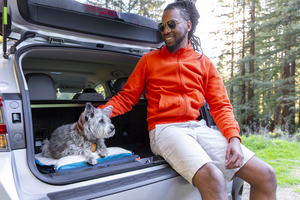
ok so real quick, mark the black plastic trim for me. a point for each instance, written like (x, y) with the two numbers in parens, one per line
(84, 23)
(114, 186)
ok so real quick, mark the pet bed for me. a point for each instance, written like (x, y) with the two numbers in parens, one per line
(75, 162)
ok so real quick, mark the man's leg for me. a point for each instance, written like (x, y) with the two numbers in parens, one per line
(177, 144)
(210, 182)
(262, 178)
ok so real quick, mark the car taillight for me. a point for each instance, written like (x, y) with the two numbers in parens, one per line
(3, 130)
(101, 12)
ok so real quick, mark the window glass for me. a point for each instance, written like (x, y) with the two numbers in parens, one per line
(100, 89)
(69, 96)
(64, 95)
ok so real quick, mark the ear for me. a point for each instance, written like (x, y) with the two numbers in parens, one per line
(189, 26)
(108, 110)
(88, 106)
(89, 111)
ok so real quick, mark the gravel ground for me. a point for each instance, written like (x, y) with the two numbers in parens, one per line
(283, 193)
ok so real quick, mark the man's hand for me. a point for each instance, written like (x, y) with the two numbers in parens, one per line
(79, 125)
(234, 154)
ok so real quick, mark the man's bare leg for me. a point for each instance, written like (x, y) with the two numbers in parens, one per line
(261, 177)
(210, 182)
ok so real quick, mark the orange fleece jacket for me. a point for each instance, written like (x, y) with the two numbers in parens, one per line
(176, 86)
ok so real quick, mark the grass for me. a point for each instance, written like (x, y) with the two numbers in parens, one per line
(282, 155)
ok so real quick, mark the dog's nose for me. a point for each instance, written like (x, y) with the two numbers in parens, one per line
(111, 128)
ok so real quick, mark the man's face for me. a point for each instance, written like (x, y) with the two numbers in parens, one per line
(178, 37)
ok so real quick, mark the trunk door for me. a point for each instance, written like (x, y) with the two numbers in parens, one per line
(79, 22)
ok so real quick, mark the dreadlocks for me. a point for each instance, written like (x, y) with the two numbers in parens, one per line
(189, 12)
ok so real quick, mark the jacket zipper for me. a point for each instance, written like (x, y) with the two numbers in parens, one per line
(181, 85)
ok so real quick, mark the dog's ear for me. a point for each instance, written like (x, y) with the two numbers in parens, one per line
(89, 111)
(108, 110)
(89, 106)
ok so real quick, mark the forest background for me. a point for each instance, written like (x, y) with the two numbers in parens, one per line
(258, 59)
(255, 45)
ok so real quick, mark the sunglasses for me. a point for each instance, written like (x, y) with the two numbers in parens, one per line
(171, 24)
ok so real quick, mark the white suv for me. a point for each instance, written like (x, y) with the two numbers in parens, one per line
(58, 55)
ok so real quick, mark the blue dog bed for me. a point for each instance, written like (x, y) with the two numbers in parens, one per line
(75, 162)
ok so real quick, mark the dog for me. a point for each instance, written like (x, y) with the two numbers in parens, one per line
(65, 140)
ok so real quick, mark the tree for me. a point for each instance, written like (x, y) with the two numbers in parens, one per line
(251, 65)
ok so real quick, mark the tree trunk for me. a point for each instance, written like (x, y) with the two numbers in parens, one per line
(232, 53)
(293, 88)
(285, 94)
(243, 85)
(251, 67)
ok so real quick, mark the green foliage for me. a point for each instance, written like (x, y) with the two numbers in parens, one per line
(282, 155)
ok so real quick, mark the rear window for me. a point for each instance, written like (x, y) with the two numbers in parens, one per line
(69, 96)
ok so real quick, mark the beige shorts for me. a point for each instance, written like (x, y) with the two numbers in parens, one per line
(188, 146)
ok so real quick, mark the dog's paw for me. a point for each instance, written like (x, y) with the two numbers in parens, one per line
(91, 160)
(103, 152)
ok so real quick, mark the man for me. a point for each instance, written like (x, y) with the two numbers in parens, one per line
(177, 80)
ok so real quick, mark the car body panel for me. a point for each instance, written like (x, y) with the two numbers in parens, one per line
(8, 82)
(7, 181)
(19, 179)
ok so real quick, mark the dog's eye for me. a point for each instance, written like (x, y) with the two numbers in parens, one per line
(101, 121)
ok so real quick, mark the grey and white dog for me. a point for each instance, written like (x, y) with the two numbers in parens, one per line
(65, 140)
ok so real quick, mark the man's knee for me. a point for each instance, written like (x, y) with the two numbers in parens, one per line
(208, 173)
(210, 182)
(258, 173)
(270, 176)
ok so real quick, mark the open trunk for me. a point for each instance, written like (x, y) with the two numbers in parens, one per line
(65, 64)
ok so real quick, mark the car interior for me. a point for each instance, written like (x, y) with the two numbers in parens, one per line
(51, 71)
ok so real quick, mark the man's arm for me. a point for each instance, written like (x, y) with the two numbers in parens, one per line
(218, 101)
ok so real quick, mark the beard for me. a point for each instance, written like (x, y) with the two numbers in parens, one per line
(175, 46)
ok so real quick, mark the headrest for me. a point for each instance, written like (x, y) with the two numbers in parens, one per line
(89, 90)
(90, 97)
(40, 86)
(118, 85)
(89, 94)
